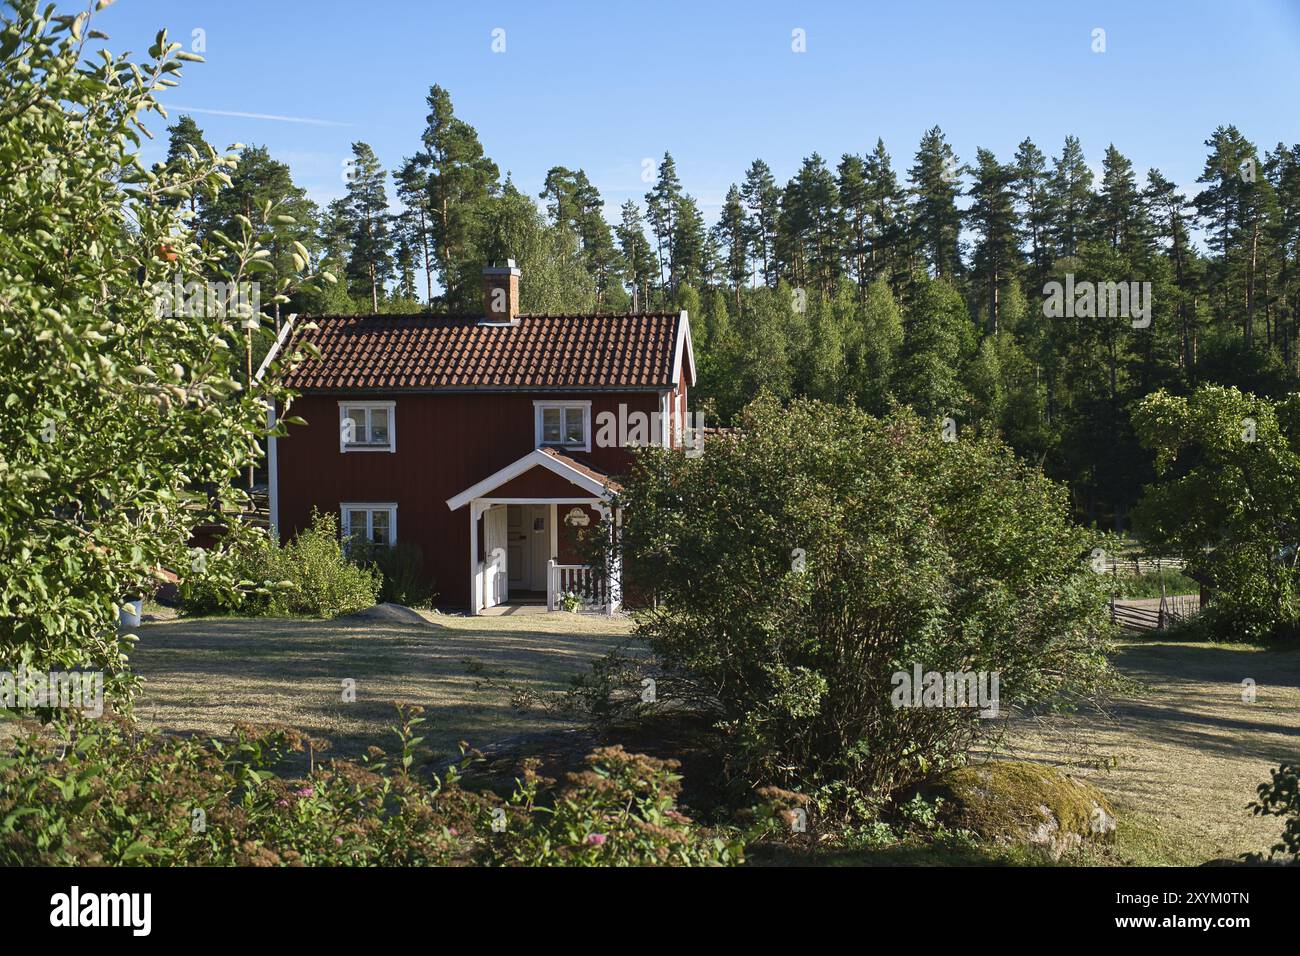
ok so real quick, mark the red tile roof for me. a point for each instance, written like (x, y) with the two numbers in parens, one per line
(459, 352)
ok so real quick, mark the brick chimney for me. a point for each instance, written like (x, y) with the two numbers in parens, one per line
(501, 293)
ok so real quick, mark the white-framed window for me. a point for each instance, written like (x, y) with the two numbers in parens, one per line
(370, 521)
(367, 426)
(563, 424)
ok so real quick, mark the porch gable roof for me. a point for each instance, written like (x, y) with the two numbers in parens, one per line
(584, 477)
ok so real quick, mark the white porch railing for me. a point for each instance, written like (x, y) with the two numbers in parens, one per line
(578, 579)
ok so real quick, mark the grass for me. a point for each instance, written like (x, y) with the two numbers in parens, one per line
(1180, 760)
(204, 675)
(1130, 586)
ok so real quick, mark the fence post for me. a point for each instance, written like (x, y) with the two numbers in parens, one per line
(550, 584)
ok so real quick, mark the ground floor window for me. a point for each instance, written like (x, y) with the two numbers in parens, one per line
(374, 523)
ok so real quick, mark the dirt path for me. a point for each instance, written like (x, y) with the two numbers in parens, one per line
(1185, 757)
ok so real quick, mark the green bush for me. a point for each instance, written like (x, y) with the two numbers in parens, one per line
(237, 578)
(1228, 465)
(402, 566)
(103, 793)
(310, 575)
(324, 583)
(801, 563)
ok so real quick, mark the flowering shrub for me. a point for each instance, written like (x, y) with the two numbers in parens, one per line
(620, 811)
(106, 794)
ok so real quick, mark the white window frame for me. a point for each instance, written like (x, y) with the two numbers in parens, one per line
(540, 406)
(391, 407)
(369, 507)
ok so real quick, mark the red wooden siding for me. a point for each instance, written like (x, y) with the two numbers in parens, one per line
(445, 444)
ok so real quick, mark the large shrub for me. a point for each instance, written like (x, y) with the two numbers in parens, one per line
(802, 562)
(1228, 502)
(106, 794)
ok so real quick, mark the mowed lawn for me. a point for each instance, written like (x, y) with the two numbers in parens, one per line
(1181, 759)
(204, 675)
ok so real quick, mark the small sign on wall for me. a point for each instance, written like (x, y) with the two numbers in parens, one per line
(577, 518)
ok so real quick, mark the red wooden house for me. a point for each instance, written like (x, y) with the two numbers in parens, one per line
(485, 439)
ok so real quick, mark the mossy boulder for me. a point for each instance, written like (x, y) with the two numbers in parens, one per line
(1017, 802)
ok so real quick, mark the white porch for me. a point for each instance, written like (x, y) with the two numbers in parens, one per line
(520, 538)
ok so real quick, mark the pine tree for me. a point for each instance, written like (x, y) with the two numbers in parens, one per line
(887, 241)
(855, 205)
(255, 182)
(1069, 199)
(638, 257)
(732, 235)
(186, 150)
(1031, 189)
(992, 216)
(370, 262)
(690, 259)
(1119, 217)
(936, 187)
(1171, 213)
(461, 180)
(661, 206)
(763, 204)
(809, 234)
(416, 220)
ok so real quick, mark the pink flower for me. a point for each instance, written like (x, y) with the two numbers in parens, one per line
(282, 803)
(305, 792)
(338, 840)
(595, 839)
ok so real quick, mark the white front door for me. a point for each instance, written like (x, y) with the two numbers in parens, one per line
(496, 586)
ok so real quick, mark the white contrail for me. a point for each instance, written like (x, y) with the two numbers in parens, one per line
(261, 116)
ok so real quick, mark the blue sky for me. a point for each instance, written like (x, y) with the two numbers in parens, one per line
(602, 86)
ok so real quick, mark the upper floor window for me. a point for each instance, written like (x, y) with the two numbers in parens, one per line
(367, 426)
(372, 523)
(564, 424)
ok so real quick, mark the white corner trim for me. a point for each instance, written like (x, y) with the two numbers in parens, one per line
(683, 346)
(272, 472)
(517, 468)
(585, 404)
(275, 349)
